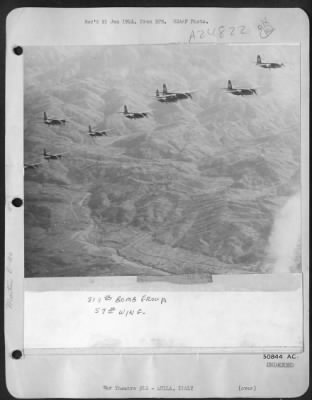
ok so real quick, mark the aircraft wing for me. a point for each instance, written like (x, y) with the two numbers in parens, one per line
(237, 90)
(247, 88)
(165, 96)
(27, 165)
(184, 91)
(106, 130)
(32, 165)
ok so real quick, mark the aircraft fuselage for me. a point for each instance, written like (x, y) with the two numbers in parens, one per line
(242, 92)
(31, 166)
(270, 65)
(181, 96)
(167, 99)
(55, 122)
(136, 115)
(98, 134)
(177, 95)
(52, 156)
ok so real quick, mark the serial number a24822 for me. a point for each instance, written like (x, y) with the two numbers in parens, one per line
(220, 31)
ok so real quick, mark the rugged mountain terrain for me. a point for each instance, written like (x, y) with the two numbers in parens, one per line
(194, 188)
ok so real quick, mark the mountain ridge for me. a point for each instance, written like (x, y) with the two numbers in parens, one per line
(200, 180)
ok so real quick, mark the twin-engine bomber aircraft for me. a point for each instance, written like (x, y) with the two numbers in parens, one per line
(134, 115)
(52, 121)
(268, 65)
(94, 133)
(32, 166)
(166, 97)
(239, 91)
(49, 156)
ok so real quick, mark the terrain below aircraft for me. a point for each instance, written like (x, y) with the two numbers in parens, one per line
(268, 65)
(165, 96)
(53, 121)
(134, 115)
(49, 156)
(94, 133)
(239, 91)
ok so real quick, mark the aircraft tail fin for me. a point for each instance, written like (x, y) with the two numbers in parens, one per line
(165, 90)
(230, 85)
(90, 130)
(44, 152)
(45, 117)
(157, 93)
(258, 59)
(125, 109)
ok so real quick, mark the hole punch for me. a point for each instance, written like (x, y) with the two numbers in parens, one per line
(18, 50)
(17, 354)
(17, 202)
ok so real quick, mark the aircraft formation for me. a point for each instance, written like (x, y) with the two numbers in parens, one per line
(165, 96)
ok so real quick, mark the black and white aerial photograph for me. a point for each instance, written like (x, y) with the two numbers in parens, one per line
(157, 160)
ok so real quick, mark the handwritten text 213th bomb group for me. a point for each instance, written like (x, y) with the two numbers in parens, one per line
(123, 305)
